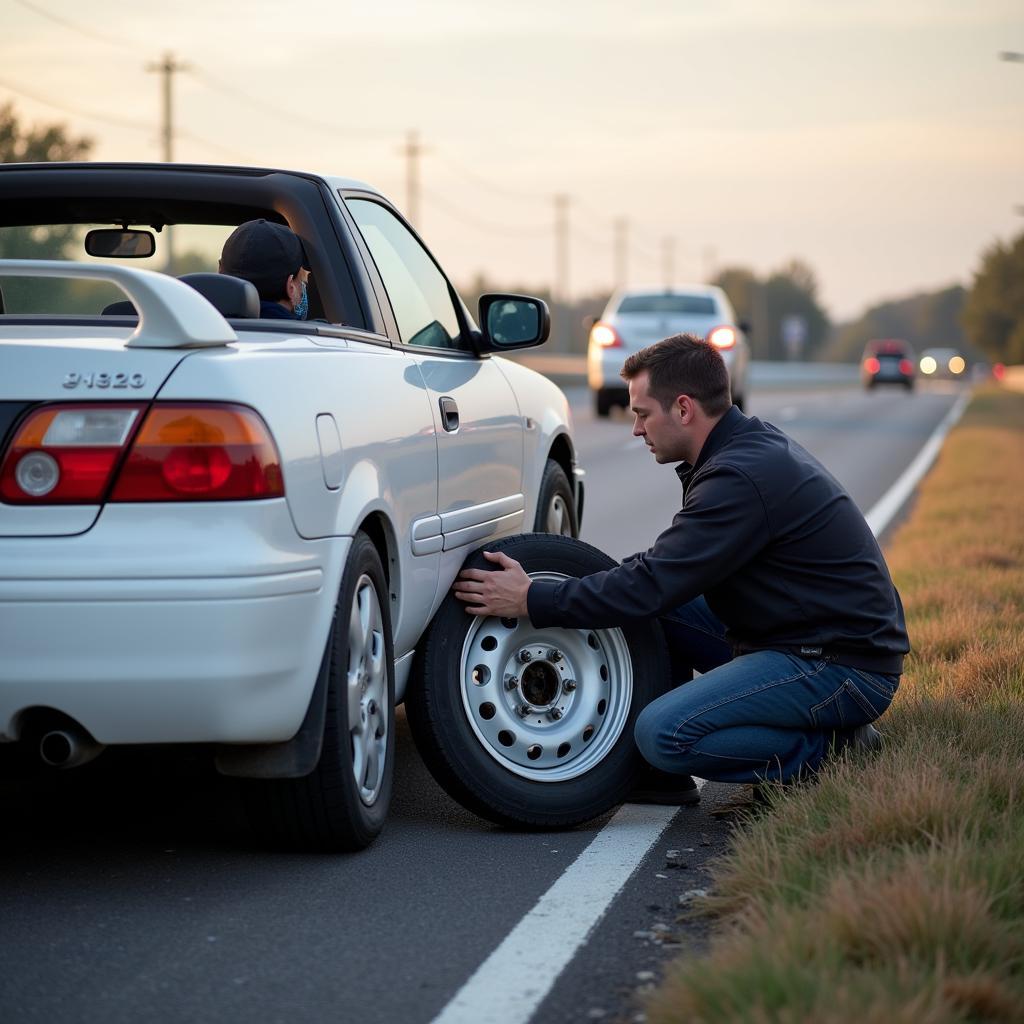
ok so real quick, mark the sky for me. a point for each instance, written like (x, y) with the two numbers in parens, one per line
(879, 141)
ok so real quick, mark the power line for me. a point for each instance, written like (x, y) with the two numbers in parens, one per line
(91, 33)
(487, 183)
(289, 116)
(491, 229)
(77, 111)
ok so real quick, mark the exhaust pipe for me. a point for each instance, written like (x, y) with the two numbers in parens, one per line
(68, 747)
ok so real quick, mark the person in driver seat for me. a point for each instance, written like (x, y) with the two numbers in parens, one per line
(270, 256)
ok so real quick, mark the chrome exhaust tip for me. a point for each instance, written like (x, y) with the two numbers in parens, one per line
(68, 748)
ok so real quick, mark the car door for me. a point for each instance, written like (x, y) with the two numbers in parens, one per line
(476, 416)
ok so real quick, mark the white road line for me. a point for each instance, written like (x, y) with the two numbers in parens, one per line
(510, 984)
(896, 497)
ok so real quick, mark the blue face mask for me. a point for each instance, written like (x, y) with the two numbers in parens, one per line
(302, 306)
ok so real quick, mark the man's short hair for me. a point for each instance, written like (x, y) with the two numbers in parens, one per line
(683, 365)
(265, 253)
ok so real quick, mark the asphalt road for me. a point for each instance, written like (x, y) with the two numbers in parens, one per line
(131, 891)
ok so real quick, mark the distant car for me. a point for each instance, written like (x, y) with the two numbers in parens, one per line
(942, 364)
(637, 317)
(887, 361)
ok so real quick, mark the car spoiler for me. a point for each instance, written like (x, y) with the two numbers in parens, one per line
(171, 314)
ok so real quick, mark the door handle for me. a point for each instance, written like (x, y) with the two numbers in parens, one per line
(449, 414)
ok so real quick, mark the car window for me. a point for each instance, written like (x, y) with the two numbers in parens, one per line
(703, 305)
(419, 292)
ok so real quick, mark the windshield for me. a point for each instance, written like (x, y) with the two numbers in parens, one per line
(668, 302)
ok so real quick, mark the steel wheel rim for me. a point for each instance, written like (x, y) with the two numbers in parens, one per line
(366, 682)
(567, 730)
(558, 520)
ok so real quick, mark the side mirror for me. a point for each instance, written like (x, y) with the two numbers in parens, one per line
(512, 321)
(120, 244)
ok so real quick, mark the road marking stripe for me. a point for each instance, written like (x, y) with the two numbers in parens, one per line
(512, 982)
(896, 497)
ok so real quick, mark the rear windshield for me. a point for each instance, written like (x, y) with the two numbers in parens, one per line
(701, 305)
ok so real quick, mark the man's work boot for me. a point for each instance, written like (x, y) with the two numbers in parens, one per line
(866, 737)
(655, 787)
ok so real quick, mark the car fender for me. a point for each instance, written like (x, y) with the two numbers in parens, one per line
(547, 422)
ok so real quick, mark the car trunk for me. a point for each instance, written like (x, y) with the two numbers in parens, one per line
(640, 329)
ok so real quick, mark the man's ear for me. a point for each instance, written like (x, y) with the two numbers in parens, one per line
(685, 408)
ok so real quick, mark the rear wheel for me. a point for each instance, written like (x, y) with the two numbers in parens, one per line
(343, 802)
(603, 402)
(534, 727)
(556, 507)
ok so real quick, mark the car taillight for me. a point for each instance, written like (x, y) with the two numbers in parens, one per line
(193, 452)
(66, 454)
(71, 454)
(872, 365)
(906, 367)
(605, 335)
(722, 337)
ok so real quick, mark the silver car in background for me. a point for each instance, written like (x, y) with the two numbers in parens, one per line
(637, 317)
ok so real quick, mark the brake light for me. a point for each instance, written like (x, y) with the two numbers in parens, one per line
(722, 337)
(906, 367)
(193, 452)
(872, 365)
(605, 335)
(66, 454)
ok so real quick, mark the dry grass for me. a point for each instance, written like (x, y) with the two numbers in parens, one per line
(894, 889)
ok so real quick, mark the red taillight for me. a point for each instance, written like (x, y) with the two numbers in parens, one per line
(999, 371)
(190, 452)
(722, 337)
(605, 335)
(70, 454)
(872, 365)
(66, 454)
(906, 367)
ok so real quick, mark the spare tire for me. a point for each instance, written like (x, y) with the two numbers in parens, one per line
(534, 727)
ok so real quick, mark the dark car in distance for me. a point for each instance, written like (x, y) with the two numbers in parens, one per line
(888, 361)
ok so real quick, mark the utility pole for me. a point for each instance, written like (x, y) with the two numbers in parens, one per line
(668, 261)
(621, 249)
(412, 151)
(561, 289)
(168, 67)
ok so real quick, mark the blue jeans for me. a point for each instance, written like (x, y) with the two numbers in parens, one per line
(756, 717)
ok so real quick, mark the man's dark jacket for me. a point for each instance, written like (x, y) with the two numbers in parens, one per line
(779, 550)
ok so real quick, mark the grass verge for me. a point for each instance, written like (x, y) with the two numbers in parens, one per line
(893, 891)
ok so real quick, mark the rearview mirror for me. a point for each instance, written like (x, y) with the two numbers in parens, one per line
(120, 244)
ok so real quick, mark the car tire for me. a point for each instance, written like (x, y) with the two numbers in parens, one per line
(556, 506)
(568, 757)
(603, 402)
(342, 804)
(739, 402)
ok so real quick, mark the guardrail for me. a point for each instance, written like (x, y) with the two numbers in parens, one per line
(570, 370)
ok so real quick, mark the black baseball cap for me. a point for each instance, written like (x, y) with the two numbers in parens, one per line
(265, 253)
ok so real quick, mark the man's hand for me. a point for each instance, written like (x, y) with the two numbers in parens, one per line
(498, 592)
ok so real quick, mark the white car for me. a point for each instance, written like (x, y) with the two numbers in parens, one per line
(226, 530)
(637, 317)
